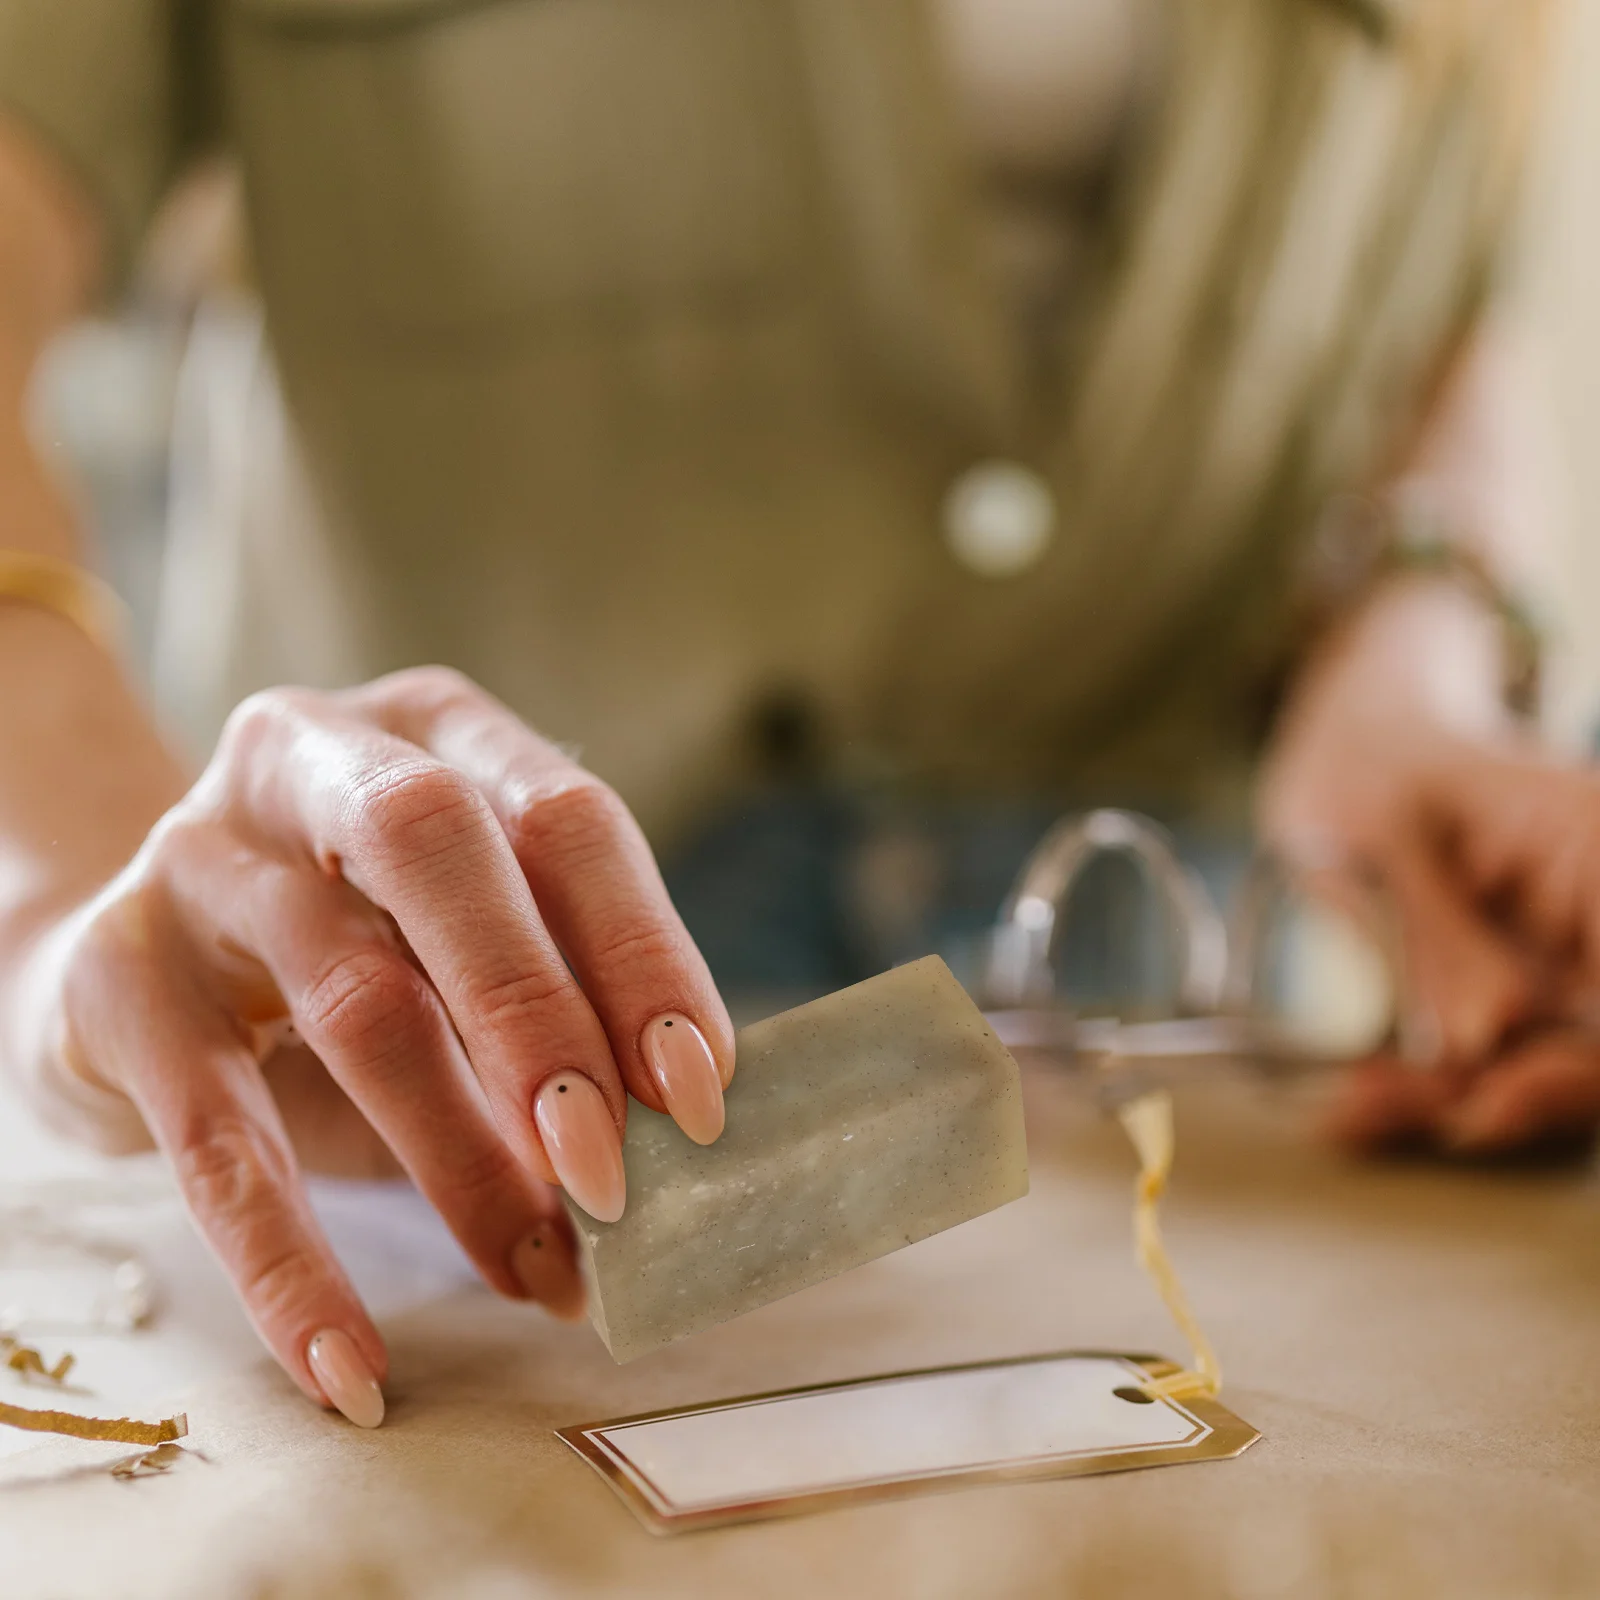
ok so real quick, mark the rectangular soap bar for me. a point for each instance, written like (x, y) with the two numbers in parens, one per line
(862, 1122)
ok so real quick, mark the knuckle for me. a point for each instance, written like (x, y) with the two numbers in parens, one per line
(365, 997)
(577, 820)
(419, 808)
(231, 1173)
(642, 943)
(429, 687)
(480, 1180)
(257, 719)
(238, 1182)
(521, 996)
(277, 1278)
(187, 833)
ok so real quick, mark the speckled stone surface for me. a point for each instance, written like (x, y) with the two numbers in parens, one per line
(862, 1122)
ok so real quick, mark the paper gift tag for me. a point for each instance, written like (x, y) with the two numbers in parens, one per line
(801, 1450)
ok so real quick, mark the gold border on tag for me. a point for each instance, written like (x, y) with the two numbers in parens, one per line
(1225, 1436)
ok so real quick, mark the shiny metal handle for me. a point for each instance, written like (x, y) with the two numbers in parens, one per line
(1020, 970)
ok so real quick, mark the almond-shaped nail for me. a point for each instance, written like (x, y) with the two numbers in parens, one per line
(686, 1073)
(344, 1377)
(582, 1143)
(545, 1266)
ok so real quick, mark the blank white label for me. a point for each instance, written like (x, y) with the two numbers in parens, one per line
(894, 1430)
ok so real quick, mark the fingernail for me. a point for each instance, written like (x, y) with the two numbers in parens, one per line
(686, 1073)
(345, 1378)
(581, 1141)
(543, 1263)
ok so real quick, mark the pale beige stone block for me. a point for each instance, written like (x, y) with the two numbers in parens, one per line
(862, 1122)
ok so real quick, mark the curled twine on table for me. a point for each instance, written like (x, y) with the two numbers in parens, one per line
(114, 1430)
(35, 1211)
(1148, 1123)
(26, 1361)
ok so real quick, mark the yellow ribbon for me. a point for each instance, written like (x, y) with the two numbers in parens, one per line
(119, 1430)
(26, 1360)
(1148, 1123)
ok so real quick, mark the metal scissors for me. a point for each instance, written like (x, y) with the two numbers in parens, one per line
(1217, 1011)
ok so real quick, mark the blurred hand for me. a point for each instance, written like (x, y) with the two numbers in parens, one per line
(1487, 851)
(388, 920)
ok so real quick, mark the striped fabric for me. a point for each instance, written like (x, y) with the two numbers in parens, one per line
(633, 344)
(1310, 228)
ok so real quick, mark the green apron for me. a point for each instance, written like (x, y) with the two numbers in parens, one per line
(632, 347)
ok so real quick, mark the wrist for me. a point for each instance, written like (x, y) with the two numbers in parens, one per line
(1421, 650)
(1408, 559)
(1403, 690)
(1442, 649)
(82, 776)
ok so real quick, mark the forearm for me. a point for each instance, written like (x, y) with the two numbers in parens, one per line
(1481, 463)
(82, 771)
(1422, 651)
(1424, 644)
(1413, 669)
(47, 254)
(83, 775)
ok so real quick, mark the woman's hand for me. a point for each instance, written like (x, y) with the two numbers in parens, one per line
(460, 925)
(1486, 850)
(465, 931)
(1500, 904)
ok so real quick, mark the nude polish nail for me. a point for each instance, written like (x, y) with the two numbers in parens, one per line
(546, 1268)
(582, 1143)
(686, 1073)
(345, 1378)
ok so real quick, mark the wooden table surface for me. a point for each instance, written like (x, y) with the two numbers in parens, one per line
(1420, 1346)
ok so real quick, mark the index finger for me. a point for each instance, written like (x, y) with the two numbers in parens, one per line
(202, 1096)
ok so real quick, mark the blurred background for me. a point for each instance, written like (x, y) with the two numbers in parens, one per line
(1562, 311)
(109, 392)
(105, 398)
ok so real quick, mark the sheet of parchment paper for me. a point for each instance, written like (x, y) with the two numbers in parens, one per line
(1416, 1345)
